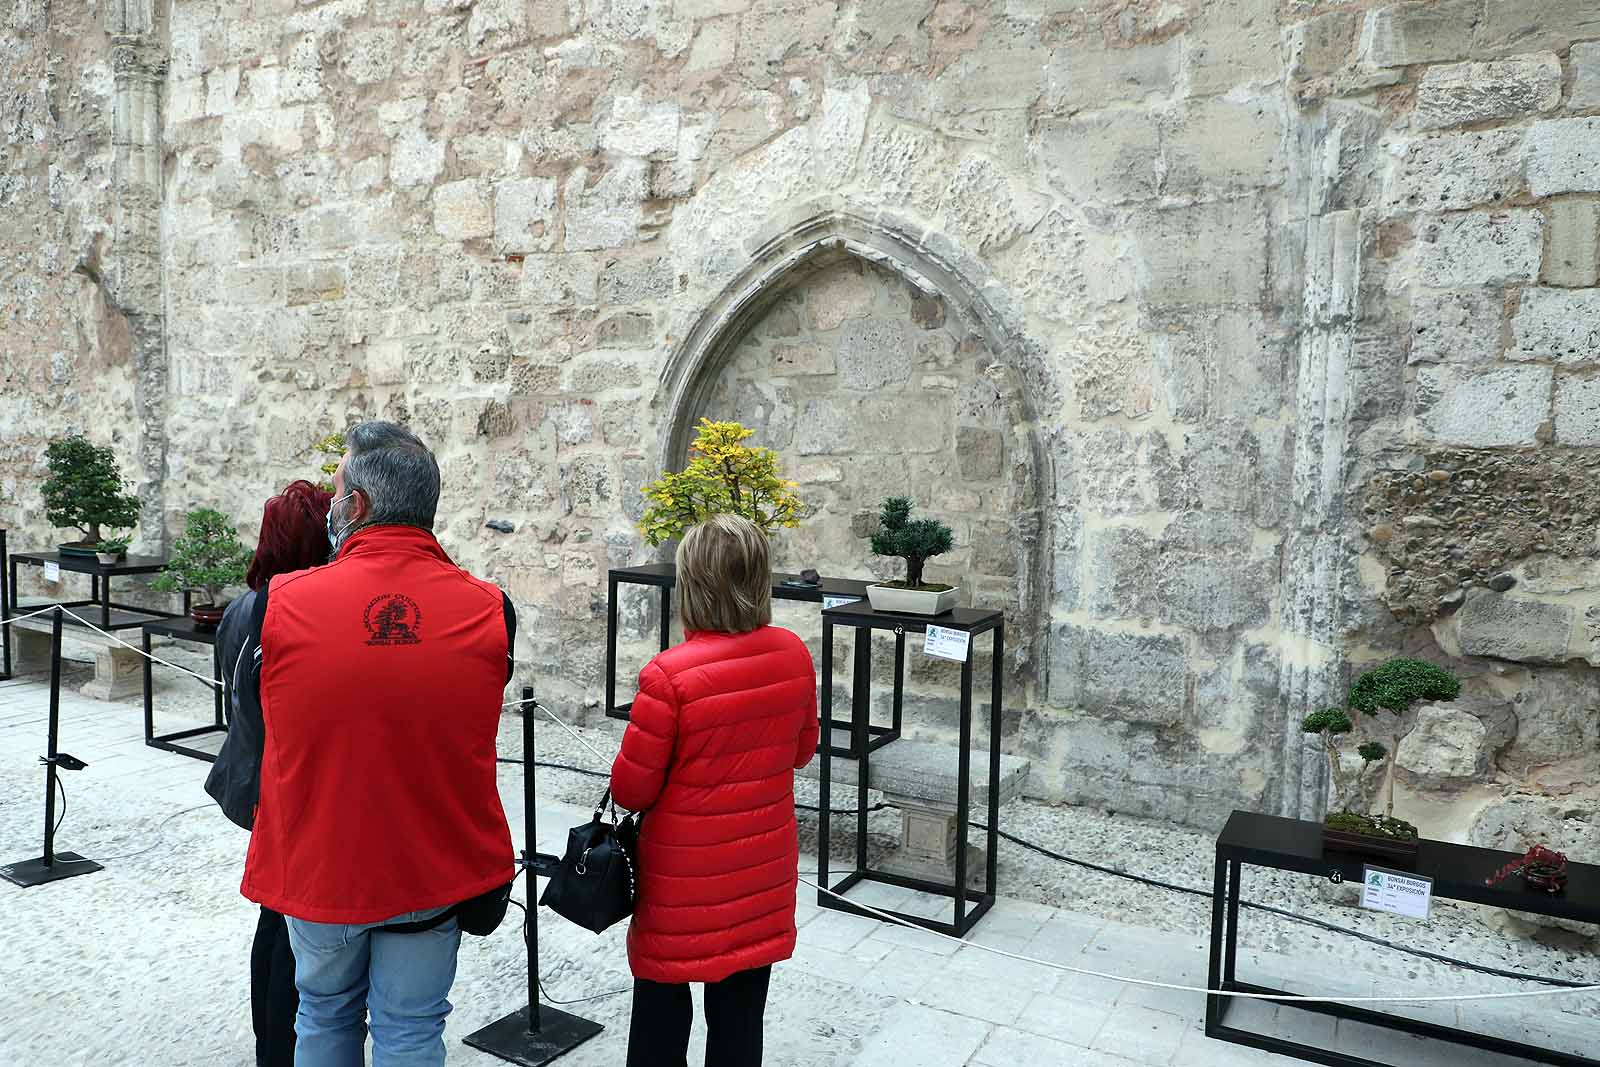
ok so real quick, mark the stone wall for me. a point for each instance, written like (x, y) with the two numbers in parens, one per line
(1155, 302)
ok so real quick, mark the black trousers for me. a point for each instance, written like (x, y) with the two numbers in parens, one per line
(273, 998)
(658, 1035)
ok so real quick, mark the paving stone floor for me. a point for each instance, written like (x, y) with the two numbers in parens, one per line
(146, 962)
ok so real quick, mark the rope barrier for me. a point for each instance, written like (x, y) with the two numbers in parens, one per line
(891, 918)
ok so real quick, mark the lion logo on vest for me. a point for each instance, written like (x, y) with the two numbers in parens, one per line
(393, 619)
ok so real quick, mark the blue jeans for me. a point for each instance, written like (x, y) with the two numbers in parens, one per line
(404, 979)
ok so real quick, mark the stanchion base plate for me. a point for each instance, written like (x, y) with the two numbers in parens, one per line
(33, 872)
(559, 1033)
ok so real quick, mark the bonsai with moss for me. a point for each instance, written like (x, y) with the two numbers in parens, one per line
(332, 447)
(1396, 686)
(206, 560)
(724, 476)
(85, 490)
(114, 545)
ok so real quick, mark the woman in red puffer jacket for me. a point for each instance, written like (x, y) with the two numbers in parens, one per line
(718, 729)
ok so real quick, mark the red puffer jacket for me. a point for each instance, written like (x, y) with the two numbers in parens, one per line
(720, 724)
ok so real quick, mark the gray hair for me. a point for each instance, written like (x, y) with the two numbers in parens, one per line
(395, 471)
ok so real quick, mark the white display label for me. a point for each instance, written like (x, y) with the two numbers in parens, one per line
(946, 643)
(1396, 893)
(52, 571)
(829, 602)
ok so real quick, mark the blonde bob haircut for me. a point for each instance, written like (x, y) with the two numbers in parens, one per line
(724, 576)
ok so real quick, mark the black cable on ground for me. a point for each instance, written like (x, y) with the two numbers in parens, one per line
(1269, 909)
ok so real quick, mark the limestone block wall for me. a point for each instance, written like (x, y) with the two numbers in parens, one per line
(1164, 305)
(1472, 516)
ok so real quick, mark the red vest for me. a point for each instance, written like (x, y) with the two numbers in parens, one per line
(382, 677)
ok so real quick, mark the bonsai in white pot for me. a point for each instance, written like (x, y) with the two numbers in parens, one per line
(916, 542)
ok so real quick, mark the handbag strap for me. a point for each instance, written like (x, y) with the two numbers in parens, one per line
(605, 799)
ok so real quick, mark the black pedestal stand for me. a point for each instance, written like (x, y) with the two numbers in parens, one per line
(537, 1034)
(5, 601)
(51, 867)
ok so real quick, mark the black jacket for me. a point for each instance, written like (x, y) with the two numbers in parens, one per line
(235, 778)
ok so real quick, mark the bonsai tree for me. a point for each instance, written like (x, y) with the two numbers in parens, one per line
(115, 543)
(206, 559)
(915, 541)
(333, 447)
(1328, 724)
(85, 489)
(724, 476)
(1398, 686)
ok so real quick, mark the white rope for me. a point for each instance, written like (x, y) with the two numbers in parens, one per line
(557, 720)
(142, 652)
(1151, 983)
(18, 618)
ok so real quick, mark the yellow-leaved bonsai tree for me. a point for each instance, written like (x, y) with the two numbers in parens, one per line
(724, 476)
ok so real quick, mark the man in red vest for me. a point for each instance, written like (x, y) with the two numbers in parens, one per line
(381, 677)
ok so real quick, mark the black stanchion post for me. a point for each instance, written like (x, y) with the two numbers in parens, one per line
(5, 610)
(535, 1035)
(50, 867)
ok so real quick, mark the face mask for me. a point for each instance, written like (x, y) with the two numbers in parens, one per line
(327, 522)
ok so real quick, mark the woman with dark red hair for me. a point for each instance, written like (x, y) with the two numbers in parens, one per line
(293, 537)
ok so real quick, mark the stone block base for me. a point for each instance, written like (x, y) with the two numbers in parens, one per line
(928, 844)
(118, 671)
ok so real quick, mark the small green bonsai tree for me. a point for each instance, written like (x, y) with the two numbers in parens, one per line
(85, 489)
(206, 559)
(115, 543)
(1328, 724)
(724, 476)
(915, 541)
(1397, 686)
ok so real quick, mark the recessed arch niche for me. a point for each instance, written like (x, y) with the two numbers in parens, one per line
(875, 360)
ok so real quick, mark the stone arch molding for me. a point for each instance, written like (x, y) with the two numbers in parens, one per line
(823, 233)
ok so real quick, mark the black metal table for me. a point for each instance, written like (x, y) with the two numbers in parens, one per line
(665, 575)
(113, 616)
(1458, 873)
(182, 630)
(864, 619)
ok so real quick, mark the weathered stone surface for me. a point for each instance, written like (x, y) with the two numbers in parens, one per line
(1480, 248)
(369, 55)
(635, 128)
(1513, 628)
(1412, 33)
(983, 207)
(1443, 749)
(1452, 171)
(873, 353)
(980, 452)
(1534, 25)
(1108, 157)
(1221, 145)
(1564, 156)
(802, 359)
(606, 214)
(902, 165)
(1461, 326)
(1139, 677)
(1461, 93)
(1557, 719)
(1557, 325)
(1204, 254)
(1083, 75)
(461, 210)
(1574, 258)
(1322, 44)
(1498, 407)
(1577, 409)
(1233, 42)
(1585, 62)
(525, 215)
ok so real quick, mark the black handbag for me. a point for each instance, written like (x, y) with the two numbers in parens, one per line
(594, 885)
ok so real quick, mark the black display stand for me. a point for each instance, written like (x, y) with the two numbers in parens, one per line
(1458, 873)
(183, 630)
(536, 1034)
(5, 609)
(864, 619)
(113, 616)
(784, 587)
(51, 866)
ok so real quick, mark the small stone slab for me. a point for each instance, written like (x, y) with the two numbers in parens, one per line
(926, 770)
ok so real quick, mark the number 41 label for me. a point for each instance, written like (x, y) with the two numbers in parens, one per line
(946, 643)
